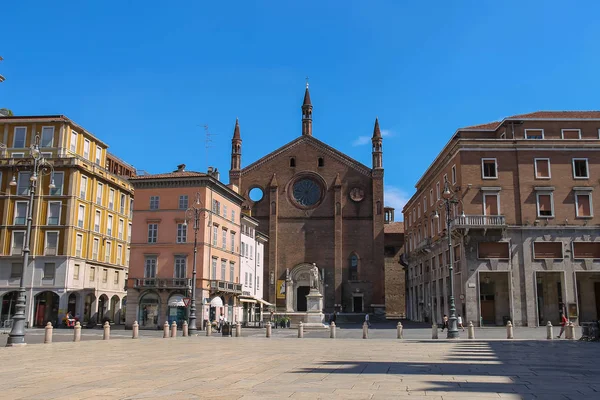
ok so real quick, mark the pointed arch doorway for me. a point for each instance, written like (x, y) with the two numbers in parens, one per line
(299, 288)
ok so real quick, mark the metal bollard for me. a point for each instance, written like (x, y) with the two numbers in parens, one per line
(48, 333)
(184, 329)
(434, 331)
(300, 330)
(106, 335)
(399, 330)
(332, 330)
(238, 329)
(166, 330)
(208, 329)
(268, 330)
(77, 332)
(136, 330)
(471, 331)
(174, 329)
(549, 333)
(570, 331)
(509, 330)
(365, 330)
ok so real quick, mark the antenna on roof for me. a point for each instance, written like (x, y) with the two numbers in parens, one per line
(207, 143)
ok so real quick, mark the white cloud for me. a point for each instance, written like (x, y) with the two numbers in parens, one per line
(362, 140)
(395, 197)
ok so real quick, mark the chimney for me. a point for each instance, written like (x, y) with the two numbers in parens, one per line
(180, 168)
(210, 170)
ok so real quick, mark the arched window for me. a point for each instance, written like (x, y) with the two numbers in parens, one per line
(292, 162)
(353, 268)
(321, 162)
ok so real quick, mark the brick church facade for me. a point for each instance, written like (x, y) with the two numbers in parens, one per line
(317, 205)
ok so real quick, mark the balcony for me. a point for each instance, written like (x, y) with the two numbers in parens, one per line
(175, 283)
(479, 221)
(227, 287)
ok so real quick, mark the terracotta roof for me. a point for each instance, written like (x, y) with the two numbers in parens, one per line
(558, 115)
(175, 174)
(483, 127)
(393, 227)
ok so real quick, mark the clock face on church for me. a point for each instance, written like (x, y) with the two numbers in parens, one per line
(306, 192)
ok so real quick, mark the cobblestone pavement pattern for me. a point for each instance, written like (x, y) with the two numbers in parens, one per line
(276, 368)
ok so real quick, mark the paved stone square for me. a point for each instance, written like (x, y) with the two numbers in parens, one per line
(309, 368)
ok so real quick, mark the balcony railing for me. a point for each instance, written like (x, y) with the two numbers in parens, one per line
(162, 283)
(224, 286)
(484, 221)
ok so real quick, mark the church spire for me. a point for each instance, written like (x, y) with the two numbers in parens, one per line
(377, 146)
(236, 154)
(307, 113)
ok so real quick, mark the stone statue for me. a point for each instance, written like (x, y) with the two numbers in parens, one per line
(314, 277)
(287, 274)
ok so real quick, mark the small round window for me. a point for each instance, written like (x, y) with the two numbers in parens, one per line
(255, 194)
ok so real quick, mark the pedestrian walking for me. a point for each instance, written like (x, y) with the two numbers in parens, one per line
(221, 321)
(459, 322)
(563, 322)
(444, 322)
(367, 320)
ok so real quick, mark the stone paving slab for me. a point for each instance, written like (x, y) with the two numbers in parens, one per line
(310, 368)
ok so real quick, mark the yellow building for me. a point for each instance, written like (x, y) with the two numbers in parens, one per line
(80, 230)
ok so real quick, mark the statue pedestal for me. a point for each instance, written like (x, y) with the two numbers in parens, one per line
(314, 314)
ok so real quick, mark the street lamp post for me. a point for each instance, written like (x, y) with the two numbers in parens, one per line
(40, 167)
(448, 200)
(193, 215)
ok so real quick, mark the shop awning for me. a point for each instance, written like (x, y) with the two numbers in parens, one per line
(247, 300)
(264, 303)
(176, 301)
(216, 302)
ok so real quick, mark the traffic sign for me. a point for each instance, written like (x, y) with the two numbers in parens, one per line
(186, 301)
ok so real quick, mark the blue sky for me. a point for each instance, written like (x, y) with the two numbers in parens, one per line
(147, 76)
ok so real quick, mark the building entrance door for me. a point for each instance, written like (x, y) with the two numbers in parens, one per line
(301, 294)
(357, 304)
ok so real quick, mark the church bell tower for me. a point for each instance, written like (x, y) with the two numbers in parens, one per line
(235, 175)
(307, 114)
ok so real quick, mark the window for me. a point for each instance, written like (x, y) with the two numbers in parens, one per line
(111, 199)
(152, 233)
(86, 149)
(542, 168)
(99, 194)
(571, 134)
(98, 155)
(49, 272)
(80, 216)
(150, 267)
(542, 250)
(104, 275)
(116, 281)
(78, 244)
(224, 239)
(119, 254)
(245, 279)
(250, 280)
(431, 197)
(179, 267)
(437, 190)
(92, 274)
(232, 234)
(419, 211)
(129, 233)
(353, 270)
(97, 221)
(251, 252)
(54, 212)
(18, 238)
(216, 207)
(47, 139)
(232, 215)
(231, 271)
(183, 202)
(107, 252)
(586, 250)
(109, 225)
(580, 168)
(20, 212)
(223, 266)
(292, 162)
(73, 141)
(534, 134)
(257, 282)
(424, 204)
(127, 257)
(76, 272)
(154, 202)
(225, 210)
(95, 248)
(181, 233)
(59, 178)
(213, 269)
(321, 162)
(491, 204)
(19, 138)
(489, 168)
(130, 208)
(493, 250)
(215, 234)
(83, 187)
(583, 204)
(545, 204)
(46, 154)
(18, 155)
(23, 183)
(122, 204)
(454, 174)
(242, 254)
(120, 229)
(51, 243)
